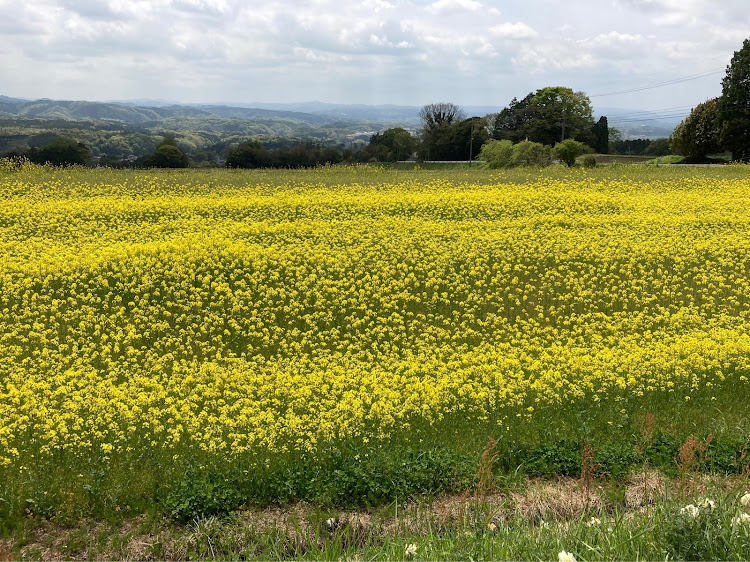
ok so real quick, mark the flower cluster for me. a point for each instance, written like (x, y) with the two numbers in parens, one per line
(564, 556)
(143, 313)
(743, 519)
(690, 510)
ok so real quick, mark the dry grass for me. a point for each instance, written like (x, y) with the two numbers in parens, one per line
(645, 488)
(303, 527)
(5, 552)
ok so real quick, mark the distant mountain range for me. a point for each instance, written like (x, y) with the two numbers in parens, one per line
(133, 127)
(133, 114)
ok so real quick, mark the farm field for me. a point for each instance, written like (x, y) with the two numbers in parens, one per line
(190, 343)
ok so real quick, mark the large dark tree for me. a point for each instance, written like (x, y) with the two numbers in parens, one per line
(438, 120)
(248, 154)
(436, 114)
(601, 136)
(61, 152)
(547, 116)
(390, 146)
(467, 138)
(698, 135)
(559, 113)
(512, 122)
(167, 155)
(734, 105)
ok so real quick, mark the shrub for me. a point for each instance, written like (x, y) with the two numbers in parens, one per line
(567, 151)
(589, 161)
(497, 154)
(527, 153)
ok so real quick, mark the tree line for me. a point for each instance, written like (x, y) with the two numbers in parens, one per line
(723, 123)
(546, 117)
(446, 133)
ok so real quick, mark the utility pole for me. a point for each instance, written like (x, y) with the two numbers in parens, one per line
(471, 141)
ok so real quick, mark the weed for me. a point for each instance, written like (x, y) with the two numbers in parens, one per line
(202, 493)
(588, 468)
(689, 460)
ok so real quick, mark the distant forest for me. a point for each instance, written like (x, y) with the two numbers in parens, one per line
(118, 132)
(121, 134)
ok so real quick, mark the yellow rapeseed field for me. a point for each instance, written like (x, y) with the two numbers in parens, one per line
(245, 314)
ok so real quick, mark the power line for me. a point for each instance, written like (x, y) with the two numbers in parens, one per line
(655, 117)
(648, 112)
(681, 116)
(662, 84)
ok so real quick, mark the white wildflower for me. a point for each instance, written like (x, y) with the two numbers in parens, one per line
(331, 522)
(491, 526)
(745, 500)
(742, 519)
(563, 556)
(706, 504)
(410, 550)
(690, 510)
(594, 521)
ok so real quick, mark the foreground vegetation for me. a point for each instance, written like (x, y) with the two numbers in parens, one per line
(643, 518)
(189, 343)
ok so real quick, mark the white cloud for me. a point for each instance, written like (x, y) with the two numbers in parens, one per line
(518, 30)
(377, 5)
(205, 50)
(448, 6)
(675, 18)
(613, 40)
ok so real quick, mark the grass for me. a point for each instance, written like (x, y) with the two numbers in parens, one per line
(640, 517)
(670, 159)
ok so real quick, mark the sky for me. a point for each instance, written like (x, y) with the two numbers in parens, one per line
(403, 52)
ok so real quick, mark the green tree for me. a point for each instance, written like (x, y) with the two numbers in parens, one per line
(391, 145)
(567, 151)
(248, 154)
(61, 151)
(467, 138)
(614, 135)
(512, 123)
(698, 135)
(497, 153)
(601, 136)
(734, 105)
(546, 116)
(167, 155)
(658, 147)
(558, 113)
(438, 137)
